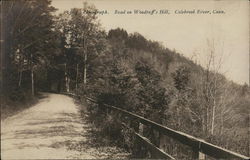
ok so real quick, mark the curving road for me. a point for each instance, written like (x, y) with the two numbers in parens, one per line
(52, 129)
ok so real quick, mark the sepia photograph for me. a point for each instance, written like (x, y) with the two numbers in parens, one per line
(116, 79)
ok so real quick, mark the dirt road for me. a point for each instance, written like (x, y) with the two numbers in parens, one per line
(52, 129)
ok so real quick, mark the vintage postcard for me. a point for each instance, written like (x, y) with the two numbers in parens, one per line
(116, 79)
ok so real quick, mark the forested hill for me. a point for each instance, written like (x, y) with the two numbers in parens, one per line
(72, 53)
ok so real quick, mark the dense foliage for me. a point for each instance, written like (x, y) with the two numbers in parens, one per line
(169, 89)
(26, 34)
(72, 53)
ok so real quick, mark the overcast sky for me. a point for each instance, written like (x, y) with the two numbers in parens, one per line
(186, 33)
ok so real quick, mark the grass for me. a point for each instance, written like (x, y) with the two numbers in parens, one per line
(10, 106)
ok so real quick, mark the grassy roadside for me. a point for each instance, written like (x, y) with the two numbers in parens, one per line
(13, 105)
(105, 147)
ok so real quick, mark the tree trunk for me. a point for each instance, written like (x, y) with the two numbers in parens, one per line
(213, 117)
(85, 69)
(222, 123)
(32, 76)
(32, 82)
(207, 121)
(203, 123)
(68, 82)
(20, 72)
(66, 78)
(20, 79)
(77, 75)
(85, 62)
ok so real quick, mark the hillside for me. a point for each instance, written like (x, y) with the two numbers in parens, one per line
(146, 78)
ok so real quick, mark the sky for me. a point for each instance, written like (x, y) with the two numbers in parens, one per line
(188, 34)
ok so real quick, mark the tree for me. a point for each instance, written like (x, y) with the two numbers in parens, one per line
(117, 34)
(83, 31)
(137, 41)
(84, 39)
(211, 85)
(27, 26)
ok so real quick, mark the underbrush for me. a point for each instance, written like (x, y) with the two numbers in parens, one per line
(111, 128)
(15, 102)
(104, 133)
(114, 129)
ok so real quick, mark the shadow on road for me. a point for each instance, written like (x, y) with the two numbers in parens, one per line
(71, 131)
